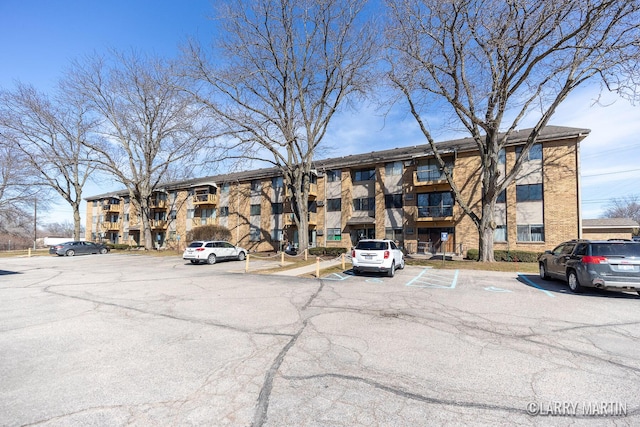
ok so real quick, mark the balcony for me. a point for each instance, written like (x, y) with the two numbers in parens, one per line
(290, 221)
(435, 213)
(158, 204)
(112, 208)
(313, 191)
(111, 225)
(199, 222)
(429, 177)
(159, 224)
(204, 199)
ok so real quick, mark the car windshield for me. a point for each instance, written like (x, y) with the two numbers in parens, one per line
(620, 249)
(376, 246)
(195, 244)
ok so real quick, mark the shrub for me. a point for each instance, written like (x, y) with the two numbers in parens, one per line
(507, 256)
(121, 246)
(320, 250)
(209, 232)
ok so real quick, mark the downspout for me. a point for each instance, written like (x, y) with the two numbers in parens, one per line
(578, 182)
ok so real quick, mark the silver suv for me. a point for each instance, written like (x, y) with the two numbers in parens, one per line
(602, 264)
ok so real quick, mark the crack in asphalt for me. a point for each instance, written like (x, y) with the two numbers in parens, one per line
(260, 415)
(405, 394)
(168, 316)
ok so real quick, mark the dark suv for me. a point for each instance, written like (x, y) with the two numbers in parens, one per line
(602, 264)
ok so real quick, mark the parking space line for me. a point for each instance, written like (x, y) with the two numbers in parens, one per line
(532, 283)
(439, 280)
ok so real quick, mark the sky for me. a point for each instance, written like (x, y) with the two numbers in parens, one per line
(38, 39)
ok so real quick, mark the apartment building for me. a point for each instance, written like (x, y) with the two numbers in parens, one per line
(400, 194)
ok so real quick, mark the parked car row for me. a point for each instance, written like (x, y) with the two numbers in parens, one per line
(602, 264)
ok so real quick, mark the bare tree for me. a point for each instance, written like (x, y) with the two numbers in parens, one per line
(60, 229)
(625, 207)
(492, 63)
(53, 134)
(288, 66)
(18, 191)
(151, 131)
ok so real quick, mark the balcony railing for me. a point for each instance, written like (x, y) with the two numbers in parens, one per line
(198, 222)
(312, 218)
(430, 212)
(204, 199)
(429, 177)
(112, 208)
(158, 204)
(159, 223)
(111, 225)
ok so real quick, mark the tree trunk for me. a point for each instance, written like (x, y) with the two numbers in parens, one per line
(486, 229)
(76, 221)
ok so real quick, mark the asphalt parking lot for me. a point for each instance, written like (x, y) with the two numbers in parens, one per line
(138, 340)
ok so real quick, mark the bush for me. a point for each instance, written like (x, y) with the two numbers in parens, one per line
(121, 246)
(507, 256)
(209, 232)
(320, 250)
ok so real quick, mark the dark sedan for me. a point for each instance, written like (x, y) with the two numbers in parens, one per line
(78, 248)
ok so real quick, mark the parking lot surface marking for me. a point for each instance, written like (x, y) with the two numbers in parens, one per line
(336, 276)
(494, 289)
(532, 283)
(437, 279)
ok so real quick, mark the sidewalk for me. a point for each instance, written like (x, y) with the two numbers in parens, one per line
(311, 268)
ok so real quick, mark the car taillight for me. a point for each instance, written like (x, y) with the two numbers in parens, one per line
(353, 253)
(58, 247)
(594, 260)
(386, 254)
(199, 249)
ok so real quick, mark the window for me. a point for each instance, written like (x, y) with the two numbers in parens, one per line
(334, 234)
(334, 175)
(364, 204)
(254, 234)
(500, 233)
(172, 214)
(225, 188)
(502, 197)
(95, 203)
(255, 210)
(312, 206)
(437, 204)
(126, 217)
(430, 170)
(276, 208)
(393, 169)
(393, 234)
(502, 156)
(224, 210)
(334, 205)
(190, 213)
(409, 230)
(277, 182)
(276, 234)
(528, 192)
(531, 233)
(392, 201)
(535, 153)
(255, 186)
(364, 175)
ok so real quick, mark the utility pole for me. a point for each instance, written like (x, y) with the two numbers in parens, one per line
(35, 223)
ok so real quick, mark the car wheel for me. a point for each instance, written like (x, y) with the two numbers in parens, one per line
(392, 270)
(403, 264)
(194, 261)
(211, 259)
(241, 256)
(103, 251)
(543, 271)
(574, 284)
(70, 252)
(355, 272)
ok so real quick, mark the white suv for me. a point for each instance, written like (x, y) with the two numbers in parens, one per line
(212, 251)
(379, 256)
